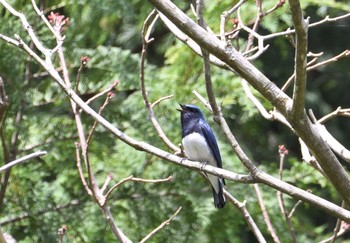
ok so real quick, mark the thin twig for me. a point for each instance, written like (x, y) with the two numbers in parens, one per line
(266, 215)
(282, 153)
(337, 226)
(343, 54)
(103, 92)
(146, 31)
(292, 31)
(248, 218)
(22, 160)
(107, 181)
(131, 178)
(161, 99)
(80, 170)
(224, 17)
(260, 82)
(338, 112)
(291, 213)
(93, 128)
(161, 226)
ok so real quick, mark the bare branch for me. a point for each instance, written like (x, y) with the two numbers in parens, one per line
(265, 214)
(103, 92)
(93, 128)
(119, 234)
(131, 178)
(224, 17)
(188, 41)
(291, 213)
(161, 99)
(107, 181)
(80, 170)
(162, 225)
(3, 102)
(292, 31)
(22, 160)
(282, 153)
(301, 27)
(248, 218)
(337, 147)
(147, 28)
(345, 53)
(338, 112)
(308, 158)
(258, 81)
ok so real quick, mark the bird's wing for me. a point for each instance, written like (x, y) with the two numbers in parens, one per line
(211, 141)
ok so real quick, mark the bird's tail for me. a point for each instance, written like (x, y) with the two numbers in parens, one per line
(219, 198)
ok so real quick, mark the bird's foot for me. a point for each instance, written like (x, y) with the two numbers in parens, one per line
(203, 164)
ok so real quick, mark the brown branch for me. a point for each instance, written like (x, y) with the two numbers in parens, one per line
(259, 82)
(291, 213)
(103, 92)
(4, 102)
(225, 15)
(265, 214)
(11, 152)
(146, 31)
(303, 127)
(93, 128)
(247, 217)
(161, 226)
(131, 178)
(80, 170)
(301, 28)
(282, 153)
(343, 54)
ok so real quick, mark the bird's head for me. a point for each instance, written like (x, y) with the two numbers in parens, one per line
(190, 112)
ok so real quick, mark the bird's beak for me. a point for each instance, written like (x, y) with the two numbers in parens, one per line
(182, 107)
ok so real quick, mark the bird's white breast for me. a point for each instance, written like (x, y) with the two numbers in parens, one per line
(196, 148)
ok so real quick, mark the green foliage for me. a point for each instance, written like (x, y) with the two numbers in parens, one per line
(109, 33)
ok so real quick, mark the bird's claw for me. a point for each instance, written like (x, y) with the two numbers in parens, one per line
(203, 164)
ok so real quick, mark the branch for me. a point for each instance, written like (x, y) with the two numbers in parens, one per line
(260, 82)
(337, 147)
(4, 102)
(345, 53)
(188, 41)
(266, 215)
(303, 127)
(338, 112)
(162, 225)
(119, 234)
(292, 31)
(282, 153)
(131, 178)
(22, 160)
(224, 17)
(146, 31)
(301, 27)
(248, 218)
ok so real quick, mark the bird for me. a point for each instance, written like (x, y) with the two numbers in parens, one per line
(199, 144)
